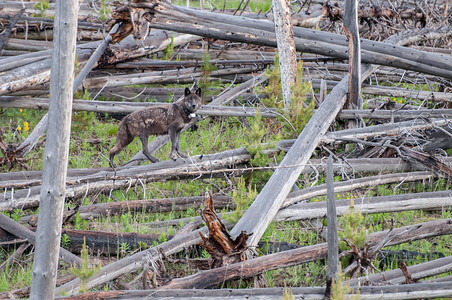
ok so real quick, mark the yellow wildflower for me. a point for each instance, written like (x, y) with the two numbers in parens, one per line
(19, 128)
(20, 110)
(26, 126)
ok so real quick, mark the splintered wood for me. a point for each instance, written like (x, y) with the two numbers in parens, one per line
(219, 243)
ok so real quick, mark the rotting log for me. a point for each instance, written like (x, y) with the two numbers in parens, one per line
(5, 34)
(133, 262)
(252, 267)
(27, 197)
(218, 243)
(20, 231)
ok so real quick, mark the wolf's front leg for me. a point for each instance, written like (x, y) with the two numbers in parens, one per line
(174, 136)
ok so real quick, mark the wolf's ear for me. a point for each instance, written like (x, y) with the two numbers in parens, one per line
(187, 92)
(198, 92)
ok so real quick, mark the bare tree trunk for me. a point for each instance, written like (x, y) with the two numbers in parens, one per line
(354, 100)
(56, 153)
(333, 243)
(286, 47)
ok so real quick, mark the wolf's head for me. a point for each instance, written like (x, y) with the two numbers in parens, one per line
(192, 100)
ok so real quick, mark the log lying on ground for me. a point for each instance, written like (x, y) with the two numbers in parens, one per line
(28, 198)
(32, 74)
(419, 271)
(134, 262)
(136, 206)
(252, 267)
(368, 205)
(220, 26)
(20, 231)
(171, 76)
(400, 292)
(124, 107)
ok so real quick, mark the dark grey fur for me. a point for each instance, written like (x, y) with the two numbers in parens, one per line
(157, 120)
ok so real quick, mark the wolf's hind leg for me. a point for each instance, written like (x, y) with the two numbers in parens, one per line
(144, 142)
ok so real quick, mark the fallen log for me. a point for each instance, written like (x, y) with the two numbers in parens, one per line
(5, 33)
(20, 231)
(133, 262)
(369, 205)
(125, 107)
(252, 267)
(400, 292)
(419, 271)
(89, 212)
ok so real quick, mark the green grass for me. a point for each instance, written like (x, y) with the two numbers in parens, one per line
(91, 139)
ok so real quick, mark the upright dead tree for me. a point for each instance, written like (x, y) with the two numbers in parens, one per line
(56, 153)
(286, 47)
(354, 100)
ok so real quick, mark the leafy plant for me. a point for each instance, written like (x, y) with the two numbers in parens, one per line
(17, 214)
(242, 198)
(169, 51)
(41, 7)
(104, 10)
(85, 271)
(352, 227)
(65, 241)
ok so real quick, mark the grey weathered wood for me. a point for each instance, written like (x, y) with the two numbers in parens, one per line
(437, 266)
(399, 292)
(41, 127)
(266, 205)
(45, 263)
(333, 243)
(286, 47)
(350, 20)
(369, 205)
(5, 34)
(356, 183)
(215, 110)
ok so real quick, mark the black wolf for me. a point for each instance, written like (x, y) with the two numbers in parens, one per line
(157, 120)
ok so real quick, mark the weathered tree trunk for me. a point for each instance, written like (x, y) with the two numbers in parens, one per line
(45, 262)
(333, 242)
(286, 47)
